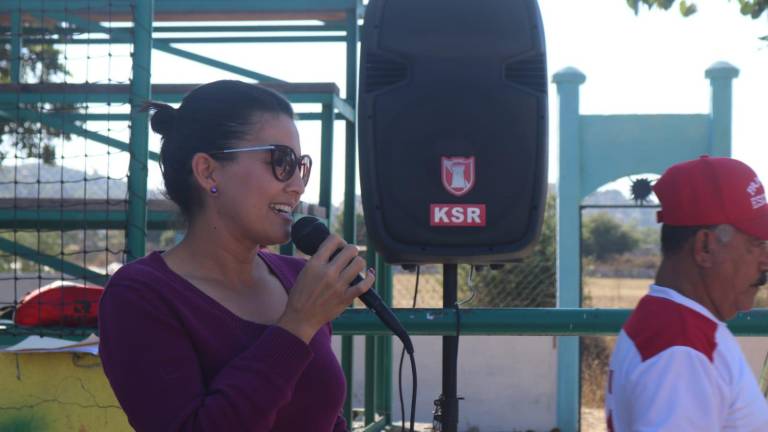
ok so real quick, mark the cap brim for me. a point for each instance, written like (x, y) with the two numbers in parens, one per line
(756, 227)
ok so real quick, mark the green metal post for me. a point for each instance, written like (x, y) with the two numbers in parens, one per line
(15, 46)
(370, 353)
(350, 173)
(139, 142)
(326, 160)
(384, 347)
(370, 379)
(352, 39)
(347, 359)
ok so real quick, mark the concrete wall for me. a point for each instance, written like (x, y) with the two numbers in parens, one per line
(57, 392)
(755, 349)
(508, 382)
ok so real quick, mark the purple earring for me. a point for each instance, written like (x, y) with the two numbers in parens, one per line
(214, 190)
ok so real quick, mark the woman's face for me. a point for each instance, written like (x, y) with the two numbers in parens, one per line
(255, 204)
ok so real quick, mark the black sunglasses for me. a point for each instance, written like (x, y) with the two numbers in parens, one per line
(284, 161)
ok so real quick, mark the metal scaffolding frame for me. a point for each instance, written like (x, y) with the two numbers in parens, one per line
(337, 21)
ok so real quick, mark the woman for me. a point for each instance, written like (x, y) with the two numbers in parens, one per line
(217, 334)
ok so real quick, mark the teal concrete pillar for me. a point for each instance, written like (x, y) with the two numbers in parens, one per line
(720, 76)
(568, 81)
(600, 148)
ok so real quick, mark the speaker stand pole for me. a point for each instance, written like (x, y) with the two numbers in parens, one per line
(449, 401)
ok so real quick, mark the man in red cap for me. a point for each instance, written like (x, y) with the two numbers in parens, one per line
(676, 366)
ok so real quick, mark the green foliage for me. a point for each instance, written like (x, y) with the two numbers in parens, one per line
(750, 8)
(595, 357)
(48, 243)
(604, 237)
(162, 240)
(92, 248)
(361, 233)
(530, 283)
(38, 64)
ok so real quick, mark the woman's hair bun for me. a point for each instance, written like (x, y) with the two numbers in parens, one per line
(163, 119)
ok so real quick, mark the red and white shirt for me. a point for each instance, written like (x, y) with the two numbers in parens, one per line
(677, 368)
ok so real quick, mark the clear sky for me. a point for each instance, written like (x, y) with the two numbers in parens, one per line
(650, 63)
(655, 63)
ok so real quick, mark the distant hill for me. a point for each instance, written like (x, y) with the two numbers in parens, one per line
(639, 216)
(34, 180)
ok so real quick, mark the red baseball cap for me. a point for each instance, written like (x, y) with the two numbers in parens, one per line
(713, 191)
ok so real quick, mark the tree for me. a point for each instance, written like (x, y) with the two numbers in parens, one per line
(530, 283)
(47, 243)
(751, 8)
(604, 237)
(361, 234)
(38, 64)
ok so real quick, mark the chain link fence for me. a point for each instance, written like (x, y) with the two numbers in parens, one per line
(528, 283)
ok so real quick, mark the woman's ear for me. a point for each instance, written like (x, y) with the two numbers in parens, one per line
(204, 169)
(703, 243)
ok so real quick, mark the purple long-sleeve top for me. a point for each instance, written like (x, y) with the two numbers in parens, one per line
(178, 360)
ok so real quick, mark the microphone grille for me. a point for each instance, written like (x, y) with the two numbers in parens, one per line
(307, 234)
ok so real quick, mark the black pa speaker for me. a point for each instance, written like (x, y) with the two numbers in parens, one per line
(452, 119)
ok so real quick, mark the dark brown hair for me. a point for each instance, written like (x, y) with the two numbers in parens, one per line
(211, 117)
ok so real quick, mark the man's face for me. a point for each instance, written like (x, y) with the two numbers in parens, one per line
(738, 270)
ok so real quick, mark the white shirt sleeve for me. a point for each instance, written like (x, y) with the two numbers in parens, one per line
(677, 390)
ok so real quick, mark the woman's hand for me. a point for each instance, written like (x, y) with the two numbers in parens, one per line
(322, 290)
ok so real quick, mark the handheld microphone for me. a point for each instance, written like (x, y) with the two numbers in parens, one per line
(307, 234)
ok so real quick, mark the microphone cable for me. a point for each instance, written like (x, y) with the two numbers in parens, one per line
(413, 368)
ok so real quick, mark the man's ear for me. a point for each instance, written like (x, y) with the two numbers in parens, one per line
(703, 244)
(204, 169)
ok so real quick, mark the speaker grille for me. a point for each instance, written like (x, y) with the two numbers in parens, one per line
(382, 72)
(529, 72)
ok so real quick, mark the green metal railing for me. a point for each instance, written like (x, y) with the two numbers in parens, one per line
(499, 322)
(519, 322)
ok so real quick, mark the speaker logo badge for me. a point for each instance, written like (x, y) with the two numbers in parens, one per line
(458, 174)
(457, 215)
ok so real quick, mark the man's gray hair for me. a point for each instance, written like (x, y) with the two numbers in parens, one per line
(724, 233)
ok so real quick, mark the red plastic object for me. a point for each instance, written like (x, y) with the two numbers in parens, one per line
(60, 304)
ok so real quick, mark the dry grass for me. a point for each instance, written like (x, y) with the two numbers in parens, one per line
(614, 292)
(598, 292)
(593, 420)
(596, 351)
(625, 293)
(430, 290)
